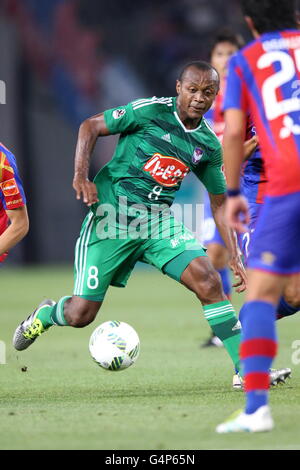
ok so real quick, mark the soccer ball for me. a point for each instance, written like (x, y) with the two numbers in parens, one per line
(114, 345)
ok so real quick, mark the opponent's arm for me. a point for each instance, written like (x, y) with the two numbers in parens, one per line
(18, 228)
(218, 204)
(89, 131)
(237, 214)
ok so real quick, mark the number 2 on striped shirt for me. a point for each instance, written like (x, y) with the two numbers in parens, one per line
(275, 108)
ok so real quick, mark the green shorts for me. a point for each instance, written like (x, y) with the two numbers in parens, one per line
(101, 262)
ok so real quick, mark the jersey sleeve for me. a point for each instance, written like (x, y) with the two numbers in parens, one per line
(236, 90)
(122, 119)
(12, 194)
(136, 115)
(211, 173)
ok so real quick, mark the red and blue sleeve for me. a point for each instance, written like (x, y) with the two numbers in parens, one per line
(236, 90)
(12, 193)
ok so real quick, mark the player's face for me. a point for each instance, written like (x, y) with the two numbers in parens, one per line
(220, 56)
(196, 92)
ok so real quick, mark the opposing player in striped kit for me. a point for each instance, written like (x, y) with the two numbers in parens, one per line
(14, 222)
(261, 78)
(161, 141)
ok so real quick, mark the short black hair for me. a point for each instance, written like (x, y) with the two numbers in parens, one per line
(271, 15)
(198, 64)
(226, 35)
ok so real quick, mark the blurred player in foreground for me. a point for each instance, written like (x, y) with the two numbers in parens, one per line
(14, 222)
(253, 185)
(161, 141)
(261, 78)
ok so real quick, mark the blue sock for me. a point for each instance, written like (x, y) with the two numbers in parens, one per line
(226, 281)
(285, 310)
(258, 349)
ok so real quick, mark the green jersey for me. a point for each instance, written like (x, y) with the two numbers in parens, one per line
(155, 152)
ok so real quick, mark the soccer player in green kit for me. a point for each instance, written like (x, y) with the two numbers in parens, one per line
(161, 141)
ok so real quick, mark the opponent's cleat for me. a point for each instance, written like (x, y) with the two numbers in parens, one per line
(259, 421)
(30, 329)
(279, 376)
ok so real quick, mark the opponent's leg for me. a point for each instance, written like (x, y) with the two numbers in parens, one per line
(258, 349)
(289, 303)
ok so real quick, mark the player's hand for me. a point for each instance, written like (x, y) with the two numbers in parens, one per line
(250, 146)
(85, 189)
(237, 213)
(239, 272)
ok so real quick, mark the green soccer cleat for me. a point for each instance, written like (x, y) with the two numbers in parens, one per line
(260, 421)
(28, 331)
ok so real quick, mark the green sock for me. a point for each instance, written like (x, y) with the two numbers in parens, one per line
(224, 323)
(50, 316)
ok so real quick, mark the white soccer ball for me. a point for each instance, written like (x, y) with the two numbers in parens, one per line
(114, 345)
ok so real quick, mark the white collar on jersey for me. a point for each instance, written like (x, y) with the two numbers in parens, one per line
(183, 126)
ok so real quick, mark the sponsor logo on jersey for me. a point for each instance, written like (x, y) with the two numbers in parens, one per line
(4, 166)
(118, 113)
(183, 238)
(9, 187)
(167, 171)
(14, 201)
(268, 258)
(197, 155)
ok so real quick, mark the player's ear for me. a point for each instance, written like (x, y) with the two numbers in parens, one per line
(178, 86)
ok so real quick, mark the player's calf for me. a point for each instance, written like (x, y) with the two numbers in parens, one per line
(201, 278)
(80, 312)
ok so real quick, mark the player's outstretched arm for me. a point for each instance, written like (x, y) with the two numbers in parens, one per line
(218, 205)
(89, 131)
(18, 228)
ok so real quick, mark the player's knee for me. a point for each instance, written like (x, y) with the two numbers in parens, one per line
(292, 297)
(292, 291)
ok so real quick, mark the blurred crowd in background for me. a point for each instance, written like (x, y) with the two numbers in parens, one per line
(65, 60)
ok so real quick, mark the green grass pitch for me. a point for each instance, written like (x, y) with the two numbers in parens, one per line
(172, 398)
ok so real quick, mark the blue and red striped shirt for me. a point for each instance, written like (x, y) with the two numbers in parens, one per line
(11, 190)
(264, 78)
(253, 177)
